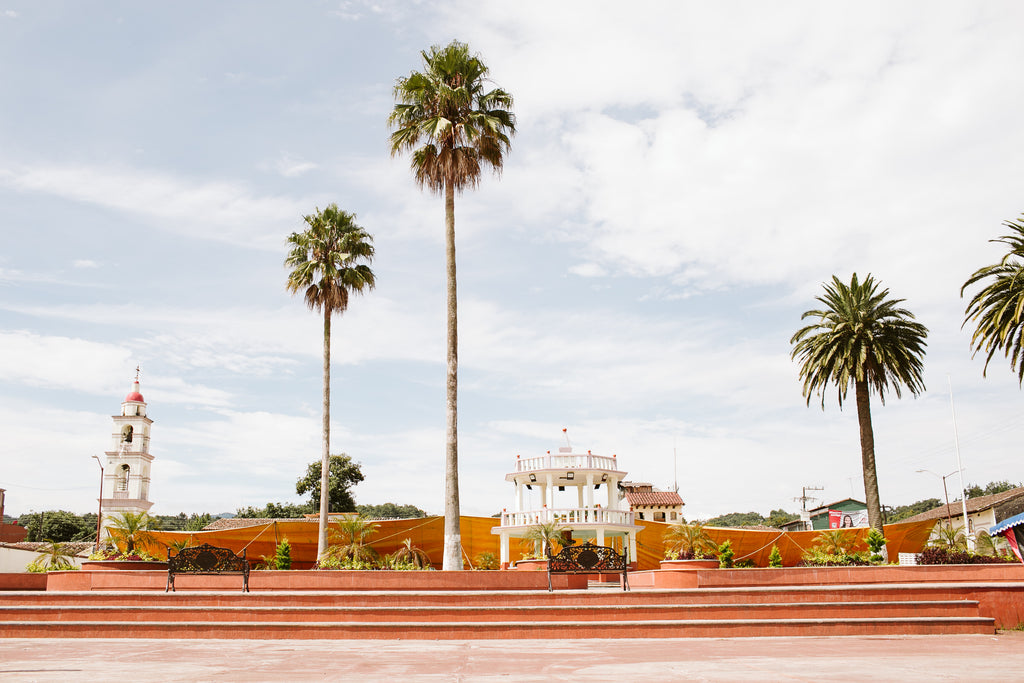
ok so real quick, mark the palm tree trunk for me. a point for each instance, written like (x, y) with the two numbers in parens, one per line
(325, 459)
(452, 559)
(867, 454)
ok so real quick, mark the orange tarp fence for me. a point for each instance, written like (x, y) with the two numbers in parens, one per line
(755, 545)
(427, 534)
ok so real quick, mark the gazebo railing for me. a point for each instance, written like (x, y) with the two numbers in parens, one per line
(566, 461)
(568, 516)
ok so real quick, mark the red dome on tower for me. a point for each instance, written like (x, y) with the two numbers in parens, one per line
(134, 396)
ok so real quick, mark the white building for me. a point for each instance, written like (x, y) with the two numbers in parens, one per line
(579, 491)
(126, 472)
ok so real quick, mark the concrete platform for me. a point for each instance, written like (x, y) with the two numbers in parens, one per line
(903, 658)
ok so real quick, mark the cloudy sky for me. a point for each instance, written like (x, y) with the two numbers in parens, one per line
(685, 177)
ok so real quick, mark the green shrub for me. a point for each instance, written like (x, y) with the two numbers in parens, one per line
(725, 555)
(775, 557)
(487, 561)
(283, 557)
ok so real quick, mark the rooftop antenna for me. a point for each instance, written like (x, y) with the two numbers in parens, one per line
(675, 467)
(804, 498)
(960, 469)
(565, 433)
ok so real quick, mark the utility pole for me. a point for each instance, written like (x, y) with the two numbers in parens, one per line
(804, 515)
(804, 498)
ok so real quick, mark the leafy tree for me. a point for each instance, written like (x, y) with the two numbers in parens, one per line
(275, 511)
(775, 557)
(455, 127)
(901, 512)
(861, 338)
(992, 488)
(997, 308)
(325, 262)
(390, 511)
(59, 525)
(197, 522)
(777, 518)
(344, 474)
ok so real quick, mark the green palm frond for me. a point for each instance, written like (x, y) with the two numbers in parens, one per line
(860, 335)
(325, 259)
(451, 123)
(997, 308)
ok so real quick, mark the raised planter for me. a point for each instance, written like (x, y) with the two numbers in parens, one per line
(689, 564)
(125, 565)
(531, 565)
(326, 580)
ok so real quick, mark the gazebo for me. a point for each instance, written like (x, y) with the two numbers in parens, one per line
(544, 487)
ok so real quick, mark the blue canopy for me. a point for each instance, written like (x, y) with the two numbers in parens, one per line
(1016, 520)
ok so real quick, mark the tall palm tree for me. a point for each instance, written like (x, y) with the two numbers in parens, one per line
(455, 127)
(999, 307)
(325, 262)
(861, 338)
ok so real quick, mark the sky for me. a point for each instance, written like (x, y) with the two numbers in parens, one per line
(684, 178)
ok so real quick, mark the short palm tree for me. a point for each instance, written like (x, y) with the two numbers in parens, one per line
(689, 541)
(542, 535)
(352, 532)
(56, 556)
(326, 267)
(949, 537)
(410, 554)
(455, 127)
(863, 338)
(131, 530)
(998, 308)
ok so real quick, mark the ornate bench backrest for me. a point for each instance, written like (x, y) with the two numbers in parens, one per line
(206, 559)
(586, 559)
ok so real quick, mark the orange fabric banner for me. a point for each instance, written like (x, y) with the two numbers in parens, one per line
(427, 534)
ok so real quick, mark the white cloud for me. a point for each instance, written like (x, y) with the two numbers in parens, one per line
(221, 211)
(85, 263)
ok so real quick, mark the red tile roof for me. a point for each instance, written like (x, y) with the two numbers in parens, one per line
(973, 505)
(654, 498)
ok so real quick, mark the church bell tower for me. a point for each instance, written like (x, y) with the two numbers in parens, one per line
(126, 474)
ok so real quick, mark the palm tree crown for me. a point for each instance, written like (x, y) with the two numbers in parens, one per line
(449, 120)
(998, 307)
(324, 259)
(860, 335)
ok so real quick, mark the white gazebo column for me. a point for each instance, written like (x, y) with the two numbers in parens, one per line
(613, 504)
(504, 549)
(632, 547)
(519, 497)
(579, 496)
(550, 491)
(600, 535)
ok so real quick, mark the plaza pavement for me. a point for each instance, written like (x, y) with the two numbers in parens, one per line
(878, 658)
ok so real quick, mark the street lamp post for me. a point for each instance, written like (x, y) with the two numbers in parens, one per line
(949, 516)
(99, 511)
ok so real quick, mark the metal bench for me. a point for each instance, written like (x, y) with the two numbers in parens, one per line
(206, 559)
(587, 559)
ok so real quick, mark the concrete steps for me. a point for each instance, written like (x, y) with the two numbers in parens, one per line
(758, 612)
